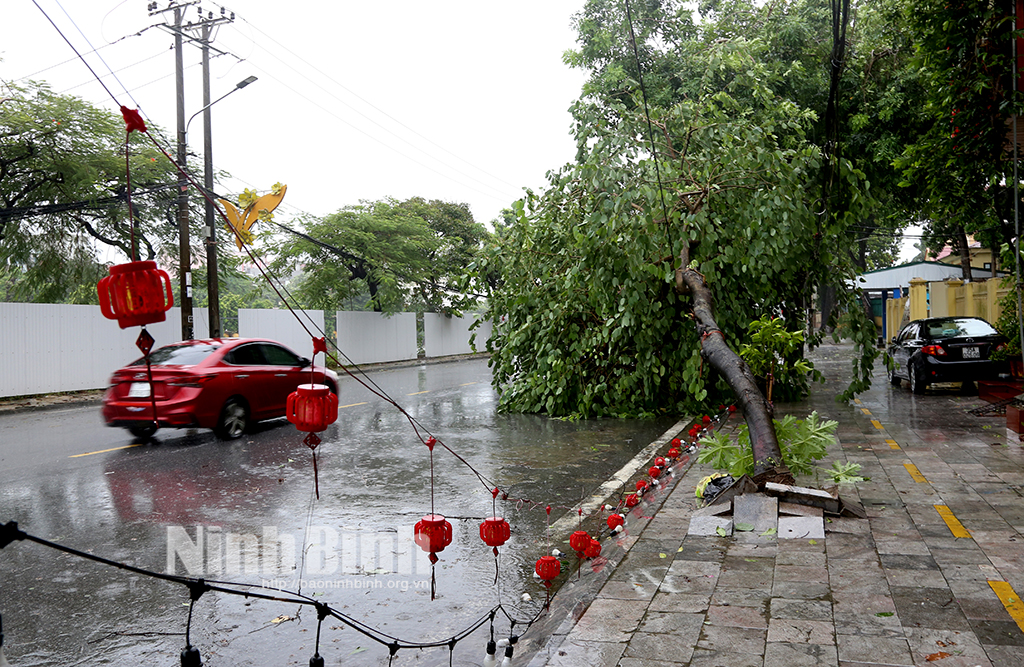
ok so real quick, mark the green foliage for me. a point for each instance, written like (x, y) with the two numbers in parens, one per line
(958, 168)
(803, 442)
(387, 256)
(63, 195)
(773, 355)
(581, 280)
(1008, 324)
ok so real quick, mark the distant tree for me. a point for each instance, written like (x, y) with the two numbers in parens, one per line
(386, 254)
(959, 168)
(63, 194)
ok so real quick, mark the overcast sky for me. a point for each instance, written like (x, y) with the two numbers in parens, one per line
(453, 100)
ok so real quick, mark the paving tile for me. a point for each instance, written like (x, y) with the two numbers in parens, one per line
(801, 527)
(737, 617)
(660, 647)
(735, 640)
(608, 621)
(576, 653)
(658, 622)
(1001, 633)
(963, 648)
(742, 597)
(710, 525)
(793, 631)
(918, 578)
(817, 574)
(679, 602)
(801, 590)
(632, 589)
(784, 654)
(808, 610)
(928, 608)
(876, 650)
(710, 658)
(982, 607)
(646, 662)
(1005, 656)
(691, 577)
(757, 510)
(908, 562)
(805, 558)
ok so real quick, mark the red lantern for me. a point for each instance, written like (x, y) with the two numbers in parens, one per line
(593, 549)
(654, 472)
(659, 461)
(694, 432)
(495, 531)
(732, 408)
(676, 442)
(705, 420)
(632, 500)
(674, 453)
(312, 407)
(615, 520)
(135, 294)
(433, 533)
(547, 568)
(641, 485)
(579, 541)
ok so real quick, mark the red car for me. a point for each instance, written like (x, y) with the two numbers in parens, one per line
(220, 383)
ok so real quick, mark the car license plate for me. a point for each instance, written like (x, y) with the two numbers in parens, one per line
(971, 353)
(139, 390)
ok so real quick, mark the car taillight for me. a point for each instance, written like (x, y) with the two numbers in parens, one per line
(190, 381)
(933, 350)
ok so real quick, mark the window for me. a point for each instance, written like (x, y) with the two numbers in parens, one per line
(278, 356)
(245, 355)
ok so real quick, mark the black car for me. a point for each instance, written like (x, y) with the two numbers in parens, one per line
(945, 349)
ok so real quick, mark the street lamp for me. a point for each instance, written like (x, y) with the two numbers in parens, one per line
(212, 284)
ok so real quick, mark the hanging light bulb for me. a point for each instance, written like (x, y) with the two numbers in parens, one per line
(490, 657)
(507, 660)
(190, 657)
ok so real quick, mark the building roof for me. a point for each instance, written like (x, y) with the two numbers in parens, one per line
(900, 276)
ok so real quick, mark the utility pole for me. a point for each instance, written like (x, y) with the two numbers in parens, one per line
(204, 29)
(184, 251)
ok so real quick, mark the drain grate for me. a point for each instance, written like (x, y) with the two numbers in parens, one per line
(997, 408)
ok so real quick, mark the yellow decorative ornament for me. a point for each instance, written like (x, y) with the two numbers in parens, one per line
(254, 208)
(702, 484)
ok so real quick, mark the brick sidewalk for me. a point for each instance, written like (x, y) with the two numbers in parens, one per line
(932, 576)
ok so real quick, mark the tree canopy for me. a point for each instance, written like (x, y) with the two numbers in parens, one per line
(63, 194)
(386, 255)
(588, 320)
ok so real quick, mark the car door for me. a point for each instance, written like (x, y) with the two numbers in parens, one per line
(251, 378)
(286, 371)
(903, 348)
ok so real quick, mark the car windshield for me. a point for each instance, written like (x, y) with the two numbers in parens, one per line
(178, 355)
(957, 327)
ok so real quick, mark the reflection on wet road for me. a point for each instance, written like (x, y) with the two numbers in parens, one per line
(245, 511)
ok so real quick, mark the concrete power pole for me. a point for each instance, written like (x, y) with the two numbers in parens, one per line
(202, 32)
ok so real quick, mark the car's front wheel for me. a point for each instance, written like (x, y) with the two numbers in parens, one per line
(917, 382)
(893, 380)
(234, 419)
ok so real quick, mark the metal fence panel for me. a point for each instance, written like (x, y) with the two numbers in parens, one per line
(444, 336)
(281, 325)
(367, 338)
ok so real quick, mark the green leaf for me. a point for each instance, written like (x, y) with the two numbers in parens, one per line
(745, 527)
(720, 531)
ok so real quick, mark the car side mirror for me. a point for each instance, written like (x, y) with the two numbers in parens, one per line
(893, 339)
(303, 362)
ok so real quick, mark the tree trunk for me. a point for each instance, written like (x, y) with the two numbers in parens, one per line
(965, 253)
(768, 465)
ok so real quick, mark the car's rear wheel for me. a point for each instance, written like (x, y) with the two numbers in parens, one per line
(893, 380)
(917, 382)
(143, 431)
(234, 419)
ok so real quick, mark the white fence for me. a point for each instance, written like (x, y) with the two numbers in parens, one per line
(367, 337)
(47, 348)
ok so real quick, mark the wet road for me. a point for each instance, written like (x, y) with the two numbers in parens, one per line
(245, 511)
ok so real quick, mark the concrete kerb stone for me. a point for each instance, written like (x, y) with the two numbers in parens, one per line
(544, 641)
